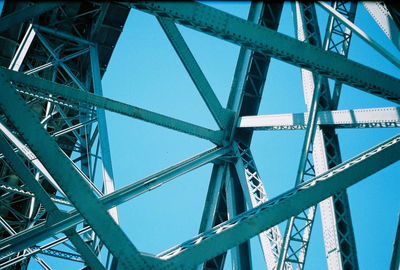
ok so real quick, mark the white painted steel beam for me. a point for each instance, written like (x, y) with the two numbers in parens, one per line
(356, 118)
(73, 94)
(252, 36)
(339, 241)
(255, 194)
(22, 49)
(364, 36)
(252, 222)
(383, 18)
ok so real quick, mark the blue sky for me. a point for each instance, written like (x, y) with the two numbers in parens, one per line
(145, 71)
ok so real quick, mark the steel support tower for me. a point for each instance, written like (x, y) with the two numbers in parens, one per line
(58, 197)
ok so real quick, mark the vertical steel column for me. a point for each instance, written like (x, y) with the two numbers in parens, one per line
(236, 204)
(255, 194)
(299, 227)
(215, 210)
(338, 232)
(395, 262)
(245, 98)
(108, 176)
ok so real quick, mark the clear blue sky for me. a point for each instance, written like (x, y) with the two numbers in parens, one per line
(145, 71)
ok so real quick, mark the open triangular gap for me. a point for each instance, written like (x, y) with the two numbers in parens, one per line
(139, 149)
(217, 59)
(354, 141)
(367, 55)
(277, 156)
(146, 72)
(374, 202)
(283, 91)
(286, 24)
(375, 206)
(228, 261)
(352, 98)
(171, 214)
(370, 196)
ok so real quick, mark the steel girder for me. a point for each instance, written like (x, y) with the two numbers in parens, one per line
(383, 18)
(26, 13)
(70, 94)
(337, 226)
(235, 181)
(250, 223)
(37, 42)
(265, 41)
(244, 99)
(40, 233)
(58, 165)
(357, 118)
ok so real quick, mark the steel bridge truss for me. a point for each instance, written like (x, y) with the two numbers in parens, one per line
(54, 137)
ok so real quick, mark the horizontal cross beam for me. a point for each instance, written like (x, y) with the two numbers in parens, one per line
(357, 118)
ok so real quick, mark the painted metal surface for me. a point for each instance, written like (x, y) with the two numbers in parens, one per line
(237, 206)
(254, 221)
(357, 118)
(271, 43)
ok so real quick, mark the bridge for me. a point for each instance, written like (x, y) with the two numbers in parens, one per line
(63, 202)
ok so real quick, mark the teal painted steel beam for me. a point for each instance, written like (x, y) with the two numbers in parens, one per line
(395, 261)
(52, 210)
(292, 202)
(74, 186)
(26, 13)
(236, 204)
(251, 70)
(107, 169)
(40, 233)
(73, 94)
(255, 193)
(215, 210)
(222, 116)
(261, 39)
